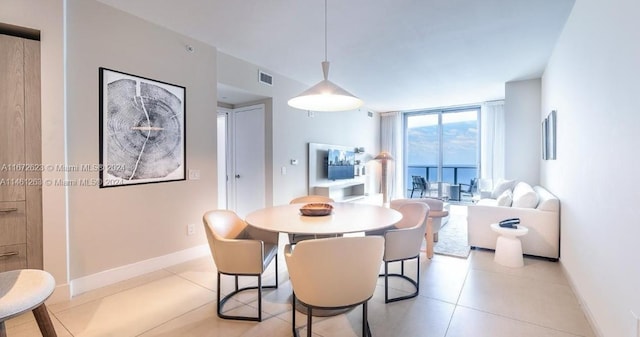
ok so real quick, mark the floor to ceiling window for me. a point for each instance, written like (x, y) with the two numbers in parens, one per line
(442, 146)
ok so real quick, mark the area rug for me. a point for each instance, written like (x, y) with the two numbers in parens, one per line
(452, 237)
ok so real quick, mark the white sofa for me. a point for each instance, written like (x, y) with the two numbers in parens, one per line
(539, 211)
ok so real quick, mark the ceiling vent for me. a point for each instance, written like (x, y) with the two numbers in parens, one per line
(265, 78)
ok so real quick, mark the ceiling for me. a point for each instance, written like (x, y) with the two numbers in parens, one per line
(393, 54)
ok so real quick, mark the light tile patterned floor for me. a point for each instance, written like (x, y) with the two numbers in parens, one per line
(458, 298)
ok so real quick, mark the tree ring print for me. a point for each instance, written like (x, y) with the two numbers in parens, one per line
(143, 131)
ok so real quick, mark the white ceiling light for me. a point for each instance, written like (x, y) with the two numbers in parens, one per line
(326, 95)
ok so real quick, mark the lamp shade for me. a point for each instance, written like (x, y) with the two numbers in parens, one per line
(384, 155)
(325, 96)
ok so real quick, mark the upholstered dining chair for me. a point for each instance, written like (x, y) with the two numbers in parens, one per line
(295, 238)
(239, 250)
(26, 290)
(403, 243)
(334, 273)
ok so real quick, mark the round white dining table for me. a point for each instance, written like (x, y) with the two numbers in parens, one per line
(346, 218)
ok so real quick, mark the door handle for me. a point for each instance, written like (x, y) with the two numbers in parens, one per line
(237, 176)
(8, 254)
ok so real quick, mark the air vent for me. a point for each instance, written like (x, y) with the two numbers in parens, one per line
(265, 78)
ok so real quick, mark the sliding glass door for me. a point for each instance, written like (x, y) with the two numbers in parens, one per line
(443, 147)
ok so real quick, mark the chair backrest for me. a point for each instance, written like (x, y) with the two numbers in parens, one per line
(335, 272)
(405, 242)
(412, 213)
(310, 198)
(223, 225)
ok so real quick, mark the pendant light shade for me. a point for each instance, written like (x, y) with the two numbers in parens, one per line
(326, 95)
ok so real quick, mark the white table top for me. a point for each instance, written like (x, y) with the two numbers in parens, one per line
(510, 232)
(345, 218)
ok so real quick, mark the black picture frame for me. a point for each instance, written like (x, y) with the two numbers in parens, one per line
(544, 140)
(551, 135)
(142, 130)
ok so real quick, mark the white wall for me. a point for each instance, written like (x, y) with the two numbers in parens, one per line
(522, 134)
(46, 16)
(118, 226)
(592, 81)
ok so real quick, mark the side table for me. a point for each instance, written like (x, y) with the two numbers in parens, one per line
(508, 246)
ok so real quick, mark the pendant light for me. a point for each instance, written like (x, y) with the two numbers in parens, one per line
(326, 95)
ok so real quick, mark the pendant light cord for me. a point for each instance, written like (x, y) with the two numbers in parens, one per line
(325, 30)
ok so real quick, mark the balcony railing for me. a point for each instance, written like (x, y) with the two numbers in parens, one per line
(452, 174)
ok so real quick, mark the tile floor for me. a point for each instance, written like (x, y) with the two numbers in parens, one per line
(458, 297)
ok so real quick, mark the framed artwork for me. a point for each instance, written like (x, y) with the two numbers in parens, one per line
(551, 135)
(544, 140)
(142, 130)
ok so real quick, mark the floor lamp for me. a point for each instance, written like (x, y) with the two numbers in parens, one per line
(384, 158)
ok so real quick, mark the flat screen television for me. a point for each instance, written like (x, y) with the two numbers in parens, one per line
(340, 164)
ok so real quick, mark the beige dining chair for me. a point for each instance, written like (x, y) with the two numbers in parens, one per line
(295, 238)
(334, 273)
(239, 250)
(403, 243)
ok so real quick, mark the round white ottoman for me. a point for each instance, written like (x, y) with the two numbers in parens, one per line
(508, 245)
(26, 290)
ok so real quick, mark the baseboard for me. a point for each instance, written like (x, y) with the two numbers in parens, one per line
(115, 275)
(583, 304)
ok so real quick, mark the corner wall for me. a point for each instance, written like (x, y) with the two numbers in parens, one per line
(523, 130)
(592, 82)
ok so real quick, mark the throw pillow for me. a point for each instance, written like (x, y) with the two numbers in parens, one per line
(524, 196)
(505, 198)
(502, 186)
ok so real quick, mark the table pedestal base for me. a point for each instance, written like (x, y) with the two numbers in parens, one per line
(509, 252)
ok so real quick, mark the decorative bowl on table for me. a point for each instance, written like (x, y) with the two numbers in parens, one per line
(316, 209)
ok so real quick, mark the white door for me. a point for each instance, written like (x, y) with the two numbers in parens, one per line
(222, 158)
(248, 151)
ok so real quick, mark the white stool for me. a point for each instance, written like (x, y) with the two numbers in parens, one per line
(508, 245)
(26, 290)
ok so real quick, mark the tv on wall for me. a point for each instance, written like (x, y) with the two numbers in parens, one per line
(340, 164)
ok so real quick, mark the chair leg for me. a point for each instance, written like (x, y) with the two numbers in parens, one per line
(3, 330)
(293, 315)
(309, 321)
(365, 323)
(416, 282)
(44, 321)
(222, 301)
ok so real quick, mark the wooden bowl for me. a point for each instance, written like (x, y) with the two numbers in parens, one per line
(316, 209)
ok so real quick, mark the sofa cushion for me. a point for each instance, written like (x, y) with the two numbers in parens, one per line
(502, 186)
(547, 201)
(505, 199)
(524, 196)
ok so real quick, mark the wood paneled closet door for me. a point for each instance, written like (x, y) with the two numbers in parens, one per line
(20, 154)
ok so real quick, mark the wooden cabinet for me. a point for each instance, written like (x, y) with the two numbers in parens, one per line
(20, 154)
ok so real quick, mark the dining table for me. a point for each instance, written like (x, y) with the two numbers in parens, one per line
(346, 217)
